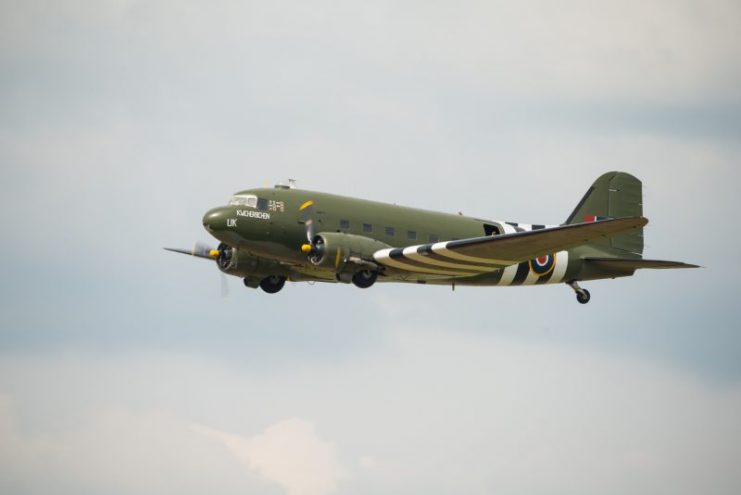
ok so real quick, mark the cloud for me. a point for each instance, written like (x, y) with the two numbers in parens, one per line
(117, 451)
(289, 453)
(144, 452)
(434, 411)
(663, 50)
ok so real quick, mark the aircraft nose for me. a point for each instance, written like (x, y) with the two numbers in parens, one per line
(215, 219)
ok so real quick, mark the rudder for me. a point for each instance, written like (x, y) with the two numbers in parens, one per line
(613, 195)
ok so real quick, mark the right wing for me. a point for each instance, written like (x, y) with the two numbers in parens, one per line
(466, 257)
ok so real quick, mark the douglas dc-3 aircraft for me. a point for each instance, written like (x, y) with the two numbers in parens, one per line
(269, 236)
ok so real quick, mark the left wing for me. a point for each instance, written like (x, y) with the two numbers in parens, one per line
(476, 255)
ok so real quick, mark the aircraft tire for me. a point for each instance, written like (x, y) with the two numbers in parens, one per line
(364, 278)
(272, 284)
(583, 296)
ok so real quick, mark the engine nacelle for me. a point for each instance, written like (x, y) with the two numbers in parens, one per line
(237, 262)
(333, 251)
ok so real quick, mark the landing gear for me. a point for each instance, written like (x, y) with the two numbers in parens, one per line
(272, 284)
(364, 278)
(582, 295)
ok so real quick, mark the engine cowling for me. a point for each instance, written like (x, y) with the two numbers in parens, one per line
(334, 250)
(237, 262)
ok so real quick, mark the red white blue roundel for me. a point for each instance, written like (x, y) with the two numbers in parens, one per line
(543, 265)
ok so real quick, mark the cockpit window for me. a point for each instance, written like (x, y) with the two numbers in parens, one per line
(249, 200)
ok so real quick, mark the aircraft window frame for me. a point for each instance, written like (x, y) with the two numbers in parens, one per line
(248, 200)
(412, 235)
(368, 228)
(344, 224)
(390, 231)
(262, 204)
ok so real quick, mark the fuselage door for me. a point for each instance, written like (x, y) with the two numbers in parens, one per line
(490, 229)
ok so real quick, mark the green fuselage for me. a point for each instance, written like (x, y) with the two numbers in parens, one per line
(270, 228)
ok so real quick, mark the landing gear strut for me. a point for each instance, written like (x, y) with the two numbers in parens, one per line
(272, 284)
(582, 295)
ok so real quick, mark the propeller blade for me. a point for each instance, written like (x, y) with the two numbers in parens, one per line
(199, 251)
(310, 230)
(224, 286)
(307, 210)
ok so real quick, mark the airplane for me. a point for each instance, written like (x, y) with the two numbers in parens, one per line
(272, 235)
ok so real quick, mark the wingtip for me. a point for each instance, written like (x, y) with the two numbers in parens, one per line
(686, 265)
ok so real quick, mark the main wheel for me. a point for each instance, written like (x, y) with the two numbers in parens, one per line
(272, 284)
(583, 296)
(364, 278)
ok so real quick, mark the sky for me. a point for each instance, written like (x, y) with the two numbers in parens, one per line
(126, 369)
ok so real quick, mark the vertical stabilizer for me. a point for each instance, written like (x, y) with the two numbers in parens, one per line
(613, 195)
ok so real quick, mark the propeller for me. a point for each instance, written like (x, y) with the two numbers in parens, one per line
(199, 251)
(315, 246)
(222, 255)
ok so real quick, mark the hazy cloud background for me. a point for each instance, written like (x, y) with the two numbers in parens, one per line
(123, 370)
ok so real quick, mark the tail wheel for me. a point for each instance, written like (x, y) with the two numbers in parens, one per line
(364, 278)
(583, 296)
(272, 284)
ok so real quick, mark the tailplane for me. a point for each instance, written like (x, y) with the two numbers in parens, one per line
(632, 264)
(613, 195)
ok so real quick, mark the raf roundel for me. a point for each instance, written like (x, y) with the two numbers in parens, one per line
(542, 265)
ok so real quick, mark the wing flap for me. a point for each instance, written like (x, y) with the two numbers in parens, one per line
(484, 254)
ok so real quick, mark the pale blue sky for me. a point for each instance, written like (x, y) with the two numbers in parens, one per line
(123, 370)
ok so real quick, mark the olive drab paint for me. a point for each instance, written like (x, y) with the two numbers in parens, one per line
(270, 236)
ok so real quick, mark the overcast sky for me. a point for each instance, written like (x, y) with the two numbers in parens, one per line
(123, 368)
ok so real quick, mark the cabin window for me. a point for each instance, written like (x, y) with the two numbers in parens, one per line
(390, 231)
(249, 200)
(262, 204)
(412, 235)
(367, 227)
(344, 224)
(434, 238)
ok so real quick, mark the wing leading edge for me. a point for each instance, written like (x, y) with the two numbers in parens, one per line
(467, 257)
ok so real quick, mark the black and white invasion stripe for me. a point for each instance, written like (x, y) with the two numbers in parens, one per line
(440, 259)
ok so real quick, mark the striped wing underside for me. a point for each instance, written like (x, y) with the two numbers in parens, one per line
(467, 257)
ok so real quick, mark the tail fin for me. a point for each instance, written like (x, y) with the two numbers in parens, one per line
(613, 195)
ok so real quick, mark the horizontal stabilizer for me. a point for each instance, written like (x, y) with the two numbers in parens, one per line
(630, 264)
